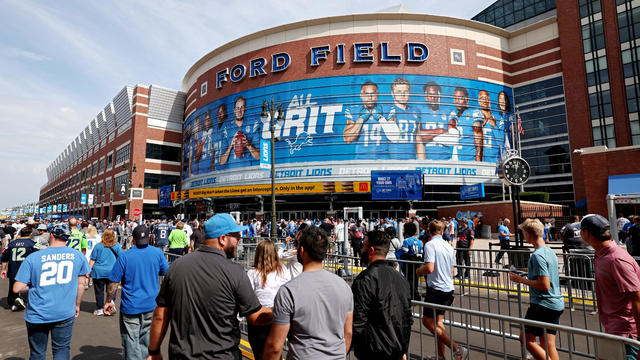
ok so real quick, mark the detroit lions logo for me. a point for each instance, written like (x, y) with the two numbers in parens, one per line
(301, 139)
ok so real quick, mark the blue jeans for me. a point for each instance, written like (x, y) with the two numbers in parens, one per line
(38, 335)
(134, 331)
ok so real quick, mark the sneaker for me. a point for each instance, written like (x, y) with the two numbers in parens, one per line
(14, 308)
(98, 312)
(435, 357)
(462, 353)
(20, 305)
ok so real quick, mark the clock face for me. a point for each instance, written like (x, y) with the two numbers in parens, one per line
(515, 171)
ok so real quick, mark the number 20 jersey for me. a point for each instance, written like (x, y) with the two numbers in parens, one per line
(53, 275)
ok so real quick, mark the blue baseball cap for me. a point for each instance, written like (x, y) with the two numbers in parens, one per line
(221, 224)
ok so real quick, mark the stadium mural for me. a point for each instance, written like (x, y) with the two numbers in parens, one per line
(342, 127)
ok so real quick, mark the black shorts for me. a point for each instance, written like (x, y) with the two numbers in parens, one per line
(436, 297)
(543, 314)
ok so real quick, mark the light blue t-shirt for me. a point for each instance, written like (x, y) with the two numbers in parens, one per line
(544, 262)
(440, 253)
(53, 274)
(137, 271)
(105, 259)
(505, 230)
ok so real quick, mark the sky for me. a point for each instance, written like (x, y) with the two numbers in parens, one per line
(62, 61)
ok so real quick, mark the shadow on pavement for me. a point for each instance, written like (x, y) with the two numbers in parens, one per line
(4, 303)
(15, 358)
(87, 306)
(98, 352)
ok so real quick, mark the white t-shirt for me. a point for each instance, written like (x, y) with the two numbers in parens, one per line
(91, 244)
(290, 261)
(340, 232)
(188, 230)
(440, 253)
(267, 292)
(394, 245)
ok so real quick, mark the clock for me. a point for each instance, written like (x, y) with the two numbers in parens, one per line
(514, 171)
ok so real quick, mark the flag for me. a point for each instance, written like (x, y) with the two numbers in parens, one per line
(520, 129)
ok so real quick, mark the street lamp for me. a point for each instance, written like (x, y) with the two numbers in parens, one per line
(270, 109)
(130, 171)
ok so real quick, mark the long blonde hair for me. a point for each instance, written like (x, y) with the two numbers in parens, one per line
(92, 231)
(266, 260)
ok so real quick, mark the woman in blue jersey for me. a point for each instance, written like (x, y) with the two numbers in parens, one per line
(504, 117)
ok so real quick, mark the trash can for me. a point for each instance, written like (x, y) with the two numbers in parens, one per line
(519, 259)
(485, 232)
(580, 263)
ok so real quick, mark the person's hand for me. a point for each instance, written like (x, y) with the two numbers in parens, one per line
(515, 277)
(108, 307)
(154, 357)
(77, 310)
(3, 274)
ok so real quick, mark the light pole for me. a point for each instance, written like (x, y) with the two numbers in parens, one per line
(270, 109)
(130, 171)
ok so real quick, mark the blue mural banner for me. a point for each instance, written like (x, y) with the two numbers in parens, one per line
(396, 185)
(83, 199)
(351, 118)
(472, 191)
(164, 196)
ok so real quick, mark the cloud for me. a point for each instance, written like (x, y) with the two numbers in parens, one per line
(62, 62)
(24, 54)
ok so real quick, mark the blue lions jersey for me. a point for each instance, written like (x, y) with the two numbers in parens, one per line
(505, 119)
(216, 136)
(493, 140)
(204, 165)
(371, 143)
(466, 145)
(251, 129)
(53, 274)
(407, 121)
(434, 120)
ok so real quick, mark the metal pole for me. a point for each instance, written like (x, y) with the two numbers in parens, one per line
(274, 234)
(515, 215)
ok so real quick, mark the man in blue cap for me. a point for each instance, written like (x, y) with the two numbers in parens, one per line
(202, 295)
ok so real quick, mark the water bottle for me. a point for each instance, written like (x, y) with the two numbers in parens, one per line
(513, 269)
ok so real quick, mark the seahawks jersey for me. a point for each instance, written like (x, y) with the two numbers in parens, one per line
(251, 129)
(15, 253)
(466, 145)
(162, 232)
(434, 120)
(371, 142)
(407, 120)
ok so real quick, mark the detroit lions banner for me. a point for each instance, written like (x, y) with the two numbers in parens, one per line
(450, 128)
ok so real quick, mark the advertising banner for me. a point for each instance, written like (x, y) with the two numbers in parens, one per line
(164, 196)
(346, 121)
(288, 188)
(472, 191)
(265, 155)
(396, 185)
(83, 199)
(65, 207)
(90, 199)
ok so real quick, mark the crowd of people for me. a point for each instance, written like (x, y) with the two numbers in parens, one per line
(287, 295)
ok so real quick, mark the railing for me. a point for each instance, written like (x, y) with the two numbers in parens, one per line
(489, 305)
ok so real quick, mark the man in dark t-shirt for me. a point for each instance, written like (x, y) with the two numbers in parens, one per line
(571, 238)
(203, 310)
(197, 237)
(12, 258)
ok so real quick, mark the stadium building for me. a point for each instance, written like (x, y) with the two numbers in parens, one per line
(118, 162)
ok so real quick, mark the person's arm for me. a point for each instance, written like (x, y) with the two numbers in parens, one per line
(20, 287)
(112, 288)
(224, 157)
(255, 152)
(425, 269)
(348, 331)
(264, 316)
(541, 283)
(634, 298)
(3, 274)
(478, 140)
(275, 341)
(91, 262)
(159, 325)
(353, 128)
(82, 282)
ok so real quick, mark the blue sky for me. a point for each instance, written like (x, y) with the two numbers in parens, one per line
(61, 62)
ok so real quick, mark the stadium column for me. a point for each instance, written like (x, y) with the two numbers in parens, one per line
(140, 129)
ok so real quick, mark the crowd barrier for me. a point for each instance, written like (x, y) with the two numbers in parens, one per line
(488, 305)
